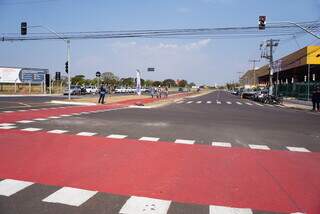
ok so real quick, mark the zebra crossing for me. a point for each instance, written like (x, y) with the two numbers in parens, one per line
(76, 198)
(219, 102)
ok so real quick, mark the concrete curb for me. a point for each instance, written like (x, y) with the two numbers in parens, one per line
(73, 103)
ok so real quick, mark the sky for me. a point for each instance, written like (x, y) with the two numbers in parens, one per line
(203, 61)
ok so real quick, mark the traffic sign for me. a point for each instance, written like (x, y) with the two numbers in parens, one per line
(98, 74)
(151, 69)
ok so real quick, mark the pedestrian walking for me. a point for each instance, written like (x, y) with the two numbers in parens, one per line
(166, 92)
(102, 92)
(153, 90)
(316, 99)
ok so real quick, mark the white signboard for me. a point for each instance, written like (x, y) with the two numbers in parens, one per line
(10, 75)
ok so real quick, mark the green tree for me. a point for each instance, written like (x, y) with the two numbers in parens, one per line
(182, 83)
(169, 83)
(157, 83)
(148, 83)
(128, 82)
(109, 78)
(78, 80)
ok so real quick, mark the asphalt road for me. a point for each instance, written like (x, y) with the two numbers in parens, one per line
(218, 117)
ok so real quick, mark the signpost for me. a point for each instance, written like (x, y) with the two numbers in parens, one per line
(98, 75)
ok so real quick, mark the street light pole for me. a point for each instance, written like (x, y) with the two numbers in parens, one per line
(254, 70)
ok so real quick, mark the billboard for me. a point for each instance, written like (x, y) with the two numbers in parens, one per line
(22, 75)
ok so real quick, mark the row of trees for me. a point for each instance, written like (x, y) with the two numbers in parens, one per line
(112, 80)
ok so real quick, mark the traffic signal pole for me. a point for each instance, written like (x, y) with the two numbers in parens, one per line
(69, 78)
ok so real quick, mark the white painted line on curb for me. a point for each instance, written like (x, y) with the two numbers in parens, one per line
(297, 149)
(9, 187)
(25, 121)
(154, 139)
(8, 127)
(117, 136)
(22, 110)
(181, 141)
(262, 147)
(31, 129)
(228, 210)
(7, 124)
(40, 119)
(239, 103)
(86, 133)
(54, 117)
(8, 111)
(70, 196)
(65, 115)
(57, 131)
(221, 144)
(138, 205)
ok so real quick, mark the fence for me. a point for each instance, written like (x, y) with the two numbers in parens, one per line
(297, 90)
(25, 88)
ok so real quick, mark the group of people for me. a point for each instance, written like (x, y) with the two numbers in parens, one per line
(159, 92)
(316, 99)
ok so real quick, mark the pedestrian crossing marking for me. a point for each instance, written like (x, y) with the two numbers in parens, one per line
(189, 102)
(9, 187)
(25, 121)
(70, 196)
(228, 210)
(261, 147)
(57, 131)
(153, 139)
(239, 103)
(249, 104)
(137, 205)
(181, 141)
(117, 136)
(31, 129)
(297, 149)
(221, 144)
(218, 102)
(209, 102)
(7, 124)
(86, 133)
(198, 102)
(228, 102)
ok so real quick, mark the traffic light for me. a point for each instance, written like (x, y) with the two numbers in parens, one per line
(58, 76)
(47, 80)
(67, 67)
(262, 22)
(23, 28)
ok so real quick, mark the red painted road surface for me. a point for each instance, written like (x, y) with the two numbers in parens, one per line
(278, 181)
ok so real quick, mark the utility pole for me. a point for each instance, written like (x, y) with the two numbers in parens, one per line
(254, 70)
(268, 54)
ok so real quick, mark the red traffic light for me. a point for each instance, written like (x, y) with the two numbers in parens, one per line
(262, 22)
(23, 28)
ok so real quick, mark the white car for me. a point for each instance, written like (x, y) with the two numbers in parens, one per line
(91, 89)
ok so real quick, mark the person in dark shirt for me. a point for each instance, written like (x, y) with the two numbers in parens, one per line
(316, 99)
(102, 92)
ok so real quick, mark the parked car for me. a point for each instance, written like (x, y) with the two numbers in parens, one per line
(91, 89)
(248, 94)
(74, 90)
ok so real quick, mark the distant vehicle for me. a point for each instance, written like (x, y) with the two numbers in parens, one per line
(248, 94)
(74, 90)
(180, 89)
(91, 89)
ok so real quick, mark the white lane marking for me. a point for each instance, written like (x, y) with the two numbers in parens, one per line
(65, 115)
(258, 104)
(228, 210)
(218, 102)
(22, 110)
(54, 117)
(198, 102)
(8, 111)
(189, 102)
(117, 136)
(86, 133)
(179, 102)
(57, 131)
(40, 119)
(249, 104)
(9, 187)
(270, 105)
(181, 141)
(229, 103)
(139, 205)
(239, 103)
(70, 196)
(8, 127)
(221, 144)
(149, 139)
(297, 149)
(25, 121)
(31, 129)
(7, 124)
(262, 147)
(33, 109)
(209, 102)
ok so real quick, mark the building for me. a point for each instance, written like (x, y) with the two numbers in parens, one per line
(300, 69)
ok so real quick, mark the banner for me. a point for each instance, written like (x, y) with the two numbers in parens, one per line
(138, 83)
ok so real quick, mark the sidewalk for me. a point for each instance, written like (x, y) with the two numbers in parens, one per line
(297, 104)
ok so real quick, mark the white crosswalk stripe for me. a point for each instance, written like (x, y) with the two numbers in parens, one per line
(181, 141)
(57, 131)
(65, 115)
(25, 121)
(249, 104)
(209, 102)
(40, 119)
(31, 129)
(221, 144)
(239, 103)
(117, 136)
(258, 104)
(86, 133)
(7, 124)
(9, 187)
(228, 210)
(189, 102)
(54, 117)
(149, 139)
(198, 102)
(70, 196)
(139, 205)
(8, 127)
(262, 147)
(229, 103)
(8, 111)
(297, 149)
(219, 102)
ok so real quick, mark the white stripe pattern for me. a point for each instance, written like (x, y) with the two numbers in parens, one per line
(249, 104)
(70, 196)
(31, 129)
(8, 127)
(239, 103)
(54, 117)
(117, 136)
(7, 124)
(139, 205)
(228, 210)
(198, 102)
(218, 102)
(86, 133)
(261, 147)
(181, 141)
(209, 102)
(189, 102)
(228, 102)
(153, 139)
(297, 149)
(9, 187)
(221, 144)
(25, 121)
(40, 119)
(57, 131)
